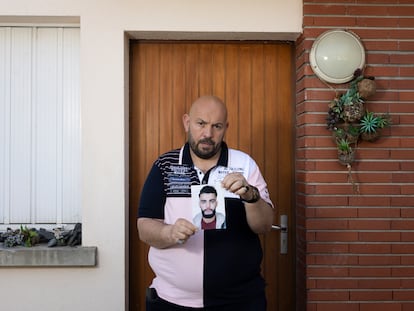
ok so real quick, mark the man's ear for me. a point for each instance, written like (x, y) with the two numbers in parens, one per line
(186, 122)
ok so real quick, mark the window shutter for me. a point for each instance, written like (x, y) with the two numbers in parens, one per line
(39, 126)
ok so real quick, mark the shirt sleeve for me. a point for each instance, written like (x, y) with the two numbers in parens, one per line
(153, 196)
(256, 179)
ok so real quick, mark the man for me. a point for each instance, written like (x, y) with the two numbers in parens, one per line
(209, 218)
(215, 270)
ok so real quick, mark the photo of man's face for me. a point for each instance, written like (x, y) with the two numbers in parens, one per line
(208, 207)
(208, 202)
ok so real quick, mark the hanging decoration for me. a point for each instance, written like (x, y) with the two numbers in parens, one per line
(351, 121)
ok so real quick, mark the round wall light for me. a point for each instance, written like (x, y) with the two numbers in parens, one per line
(336, 54)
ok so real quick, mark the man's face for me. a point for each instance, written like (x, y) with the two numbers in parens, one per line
(206, 126)
(208, 204)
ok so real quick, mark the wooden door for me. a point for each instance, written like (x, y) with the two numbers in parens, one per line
(255, 79)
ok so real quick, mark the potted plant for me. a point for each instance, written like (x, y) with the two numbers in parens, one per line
(345, 152)
(347, 131)
(371, 125)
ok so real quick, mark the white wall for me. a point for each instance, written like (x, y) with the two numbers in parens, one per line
(103, 88)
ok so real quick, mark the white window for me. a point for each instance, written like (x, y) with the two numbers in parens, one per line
(40, 124)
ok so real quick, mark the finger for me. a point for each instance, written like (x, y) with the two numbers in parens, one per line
(238, 187)
(242, 190)
(188, 227)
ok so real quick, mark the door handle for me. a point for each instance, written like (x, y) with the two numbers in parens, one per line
(283, 227)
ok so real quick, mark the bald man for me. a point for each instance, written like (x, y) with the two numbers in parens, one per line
(217, 269)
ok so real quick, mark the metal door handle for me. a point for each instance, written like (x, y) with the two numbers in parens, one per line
(283, 227)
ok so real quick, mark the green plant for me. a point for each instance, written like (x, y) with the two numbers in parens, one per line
(345, 152)
(370, 123)
(344, 146)
(353, 130)
(29, 236)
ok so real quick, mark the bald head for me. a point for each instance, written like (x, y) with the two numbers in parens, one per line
(209, 103)
(206, 124)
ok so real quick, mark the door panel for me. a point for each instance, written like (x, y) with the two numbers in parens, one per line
(255, 80)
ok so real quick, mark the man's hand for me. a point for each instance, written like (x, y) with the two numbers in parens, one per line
(156, 233)
(236, 183)
(182, 230)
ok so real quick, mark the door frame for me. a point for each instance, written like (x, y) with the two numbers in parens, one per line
(172, 36)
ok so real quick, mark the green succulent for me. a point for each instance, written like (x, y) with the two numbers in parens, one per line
(370, 122)
(344, 146)
(353, 130)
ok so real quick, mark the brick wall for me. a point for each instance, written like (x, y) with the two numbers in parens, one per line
(356, 250)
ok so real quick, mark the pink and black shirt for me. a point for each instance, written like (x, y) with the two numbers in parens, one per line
(214, 267)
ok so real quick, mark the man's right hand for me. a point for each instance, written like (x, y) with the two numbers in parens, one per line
(156, 233)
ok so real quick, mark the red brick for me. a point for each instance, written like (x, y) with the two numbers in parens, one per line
(370, 201)
(377, 22)
(336, 283)
(402, 249)
(403, 224)
(326, 201)
(407, 283)
(379, 212)
(334, 259)
(370, 248)
(378, 295)
(333, 212)
(370, 272)
(379, 236)
(322, 224)
(401, 201)
(369, 224)
(407, 260)
(338, 307)
(402, 272)
(327, 272)
(407, 295)
(407, 236)
(407, 306)
(336, 236)
(379, 283)
(328, 295)
(381, 306)
(327, 248)
(379, 260)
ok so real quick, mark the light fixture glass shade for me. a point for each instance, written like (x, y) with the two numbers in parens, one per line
(336, 54)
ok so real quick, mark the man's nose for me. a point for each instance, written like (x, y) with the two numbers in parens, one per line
(208, 131)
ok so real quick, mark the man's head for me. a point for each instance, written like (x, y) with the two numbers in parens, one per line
(208, 202)
(206, 125)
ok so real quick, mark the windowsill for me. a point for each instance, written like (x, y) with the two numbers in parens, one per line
(43, 256)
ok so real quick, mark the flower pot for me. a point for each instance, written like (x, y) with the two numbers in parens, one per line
(366, 88)
(353, 112)
(371, 137)
(344, 132)
(346, 158)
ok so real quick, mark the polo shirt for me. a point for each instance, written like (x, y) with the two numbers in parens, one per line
(214, 267)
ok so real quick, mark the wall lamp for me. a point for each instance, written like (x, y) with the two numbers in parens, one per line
(336, 54)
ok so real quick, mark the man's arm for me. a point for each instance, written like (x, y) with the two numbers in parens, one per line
(156, 233)
(259, 213)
